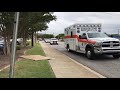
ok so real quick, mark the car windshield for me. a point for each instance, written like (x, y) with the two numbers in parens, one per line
(97, 35)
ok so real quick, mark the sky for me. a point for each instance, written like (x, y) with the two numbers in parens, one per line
(110, 21)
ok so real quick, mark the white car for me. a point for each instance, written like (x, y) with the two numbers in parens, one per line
(19, 41)
(53, 41)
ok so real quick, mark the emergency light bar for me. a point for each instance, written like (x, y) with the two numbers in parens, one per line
(86, 27)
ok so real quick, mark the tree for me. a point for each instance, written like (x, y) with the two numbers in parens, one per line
(60, 36)
(29, 23)
(47, 36)
(23, 27)
(7, 19)
(38, 21)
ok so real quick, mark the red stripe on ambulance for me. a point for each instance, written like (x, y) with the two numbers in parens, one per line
(81, 40)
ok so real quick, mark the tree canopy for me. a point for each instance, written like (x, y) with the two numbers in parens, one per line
(60, 36)
(29, 23)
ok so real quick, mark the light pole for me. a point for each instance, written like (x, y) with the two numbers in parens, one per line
(13, 54)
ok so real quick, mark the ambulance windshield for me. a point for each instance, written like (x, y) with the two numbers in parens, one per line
(97, 35)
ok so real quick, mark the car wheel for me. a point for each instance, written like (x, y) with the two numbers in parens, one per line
(89, 54)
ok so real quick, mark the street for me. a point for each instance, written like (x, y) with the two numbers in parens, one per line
(105, 65)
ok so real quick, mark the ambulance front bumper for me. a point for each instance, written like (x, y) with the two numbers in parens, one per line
(107, 50)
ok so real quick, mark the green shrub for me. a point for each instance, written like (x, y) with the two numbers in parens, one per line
(27, 43)
(18, 47)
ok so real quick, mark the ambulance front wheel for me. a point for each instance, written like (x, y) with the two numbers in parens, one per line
(89, 53)
(116, 56)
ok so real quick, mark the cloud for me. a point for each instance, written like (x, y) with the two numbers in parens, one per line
(110, 20)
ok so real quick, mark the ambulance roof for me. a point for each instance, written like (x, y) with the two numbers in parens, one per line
(89, 27)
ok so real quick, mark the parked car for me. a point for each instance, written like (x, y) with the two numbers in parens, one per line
(53, 41)
(1, 46)
(19, 41)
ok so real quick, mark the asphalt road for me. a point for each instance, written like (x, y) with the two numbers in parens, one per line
(103, 64)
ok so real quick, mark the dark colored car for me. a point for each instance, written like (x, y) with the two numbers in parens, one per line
(1, 47)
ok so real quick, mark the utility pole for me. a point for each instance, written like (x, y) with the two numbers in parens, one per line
(13, 54)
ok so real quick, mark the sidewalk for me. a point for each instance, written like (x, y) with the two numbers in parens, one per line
(65, 67)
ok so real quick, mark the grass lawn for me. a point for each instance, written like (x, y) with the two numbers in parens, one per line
(37, 50)
(29, 68)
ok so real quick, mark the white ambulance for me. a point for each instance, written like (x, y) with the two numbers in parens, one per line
(88, 39)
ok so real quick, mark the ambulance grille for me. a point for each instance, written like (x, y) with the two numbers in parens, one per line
(109, 43)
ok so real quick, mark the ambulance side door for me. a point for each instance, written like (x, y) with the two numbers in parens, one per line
(70, 40)
(83, 42)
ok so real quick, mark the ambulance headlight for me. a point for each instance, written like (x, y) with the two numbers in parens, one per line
(98, 44)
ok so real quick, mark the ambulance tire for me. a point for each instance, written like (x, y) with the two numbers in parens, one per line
(90, 54)
(116, 56)
(68, 48)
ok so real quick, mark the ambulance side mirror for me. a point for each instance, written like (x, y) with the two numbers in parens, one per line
(84, 37)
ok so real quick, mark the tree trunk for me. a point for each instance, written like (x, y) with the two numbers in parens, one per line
(32, 39)
(8, 33)
(5, 45)
(35, 37)
(8, 45)
(22, 44)
(24, 41)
